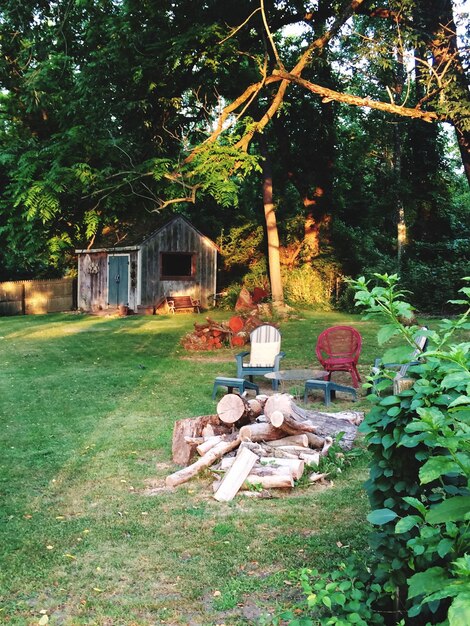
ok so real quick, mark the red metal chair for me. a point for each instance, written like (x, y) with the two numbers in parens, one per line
(338, 350)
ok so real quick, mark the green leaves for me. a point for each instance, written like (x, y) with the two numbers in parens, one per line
(451, 510)
(381, 516)
(436, 467)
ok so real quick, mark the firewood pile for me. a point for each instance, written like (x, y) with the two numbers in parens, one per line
(259, 444)
(213, 335)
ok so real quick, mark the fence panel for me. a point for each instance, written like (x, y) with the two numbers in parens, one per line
(11, 298)
(33, 297)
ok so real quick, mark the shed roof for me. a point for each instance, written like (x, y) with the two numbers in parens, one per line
(136, 244)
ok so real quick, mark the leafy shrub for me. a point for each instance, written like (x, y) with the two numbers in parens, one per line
(418, 486)
(311, 284)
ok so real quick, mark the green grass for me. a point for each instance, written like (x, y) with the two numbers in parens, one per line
(87, 406)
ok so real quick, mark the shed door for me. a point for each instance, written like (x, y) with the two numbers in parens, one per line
(118, 279)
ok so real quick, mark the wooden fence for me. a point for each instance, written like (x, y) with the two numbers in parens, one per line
(33, 297)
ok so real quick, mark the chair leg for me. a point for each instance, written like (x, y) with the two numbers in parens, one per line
(355, 376)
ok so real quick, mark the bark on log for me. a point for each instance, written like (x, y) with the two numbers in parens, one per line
(206, 444)
(291, 440)
(260, 432)
(184, 450)
(296, 419)
(265, 449)
(283, 413)
(185, 474)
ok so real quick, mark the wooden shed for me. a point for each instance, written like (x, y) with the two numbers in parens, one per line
(174, 260)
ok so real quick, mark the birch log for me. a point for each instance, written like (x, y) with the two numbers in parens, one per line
(185, 474)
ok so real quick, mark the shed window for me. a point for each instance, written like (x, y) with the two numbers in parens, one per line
(177, 266)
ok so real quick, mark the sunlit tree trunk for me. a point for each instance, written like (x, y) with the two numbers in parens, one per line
(274, 260)
(437, 19)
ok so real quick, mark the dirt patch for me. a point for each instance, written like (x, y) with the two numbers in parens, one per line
(211, 358)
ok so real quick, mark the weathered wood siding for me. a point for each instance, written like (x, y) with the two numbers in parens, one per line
(93, 280)
(32, 297)
(178, 236)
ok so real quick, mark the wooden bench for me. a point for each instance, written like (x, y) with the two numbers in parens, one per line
(182, 303)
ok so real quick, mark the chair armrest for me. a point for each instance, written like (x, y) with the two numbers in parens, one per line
(240, 355)
(277, 360)
(239, 358)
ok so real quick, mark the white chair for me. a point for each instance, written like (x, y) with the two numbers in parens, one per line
(265, 354)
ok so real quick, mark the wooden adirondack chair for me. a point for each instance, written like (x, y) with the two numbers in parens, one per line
(399, 381)
(265, 354)
(338, 349)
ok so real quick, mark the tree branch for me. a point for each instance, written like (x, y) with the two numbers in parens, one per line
(330, 94)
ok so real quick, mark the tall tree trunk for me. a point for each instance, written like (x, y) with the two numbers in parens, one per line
(437, 19)
(274, 260)
(397, 165)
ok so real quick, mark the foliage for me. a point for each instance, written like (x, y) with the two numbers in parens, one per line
(418, 486)
(343, 596)
(312, 284)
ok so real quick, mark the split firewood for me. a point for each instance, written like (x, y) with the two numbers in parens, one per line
(315, 477)
(210, 442)
(269, 466)
(194, 440)
(327, 446)
(265, 449)
(296, 466)
(291, 440)
(233, 408)
(293, 449)
(311, 459)
(236, 476)
(205, 461)
(281, 481)
(184, 449)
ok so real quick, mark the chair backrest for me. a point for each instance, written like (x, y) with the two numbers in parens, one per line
(265, 345)
(340, 342)
(421, 343)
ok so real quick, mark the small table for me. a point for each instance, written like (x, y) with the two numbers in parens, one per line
(296, 375)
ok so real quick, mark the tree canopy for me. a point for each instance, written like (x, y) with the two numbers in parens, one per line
(113, 111)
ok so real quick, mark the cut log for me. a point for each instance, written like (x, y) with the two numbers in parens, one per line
(236, 323)
(311, 459)
(270, 465)
(260, 432)
(314, 441)
(184, 450)
(284, 481)
(296, 420)
(291, 440)
(283, 413)
(236, 476)
(264, 449)
(233, 408)
(185, 474)
(296, 466)
(205, 445)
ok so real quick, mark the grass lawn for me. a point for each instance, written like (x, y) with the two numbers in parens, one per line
(87, 406)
